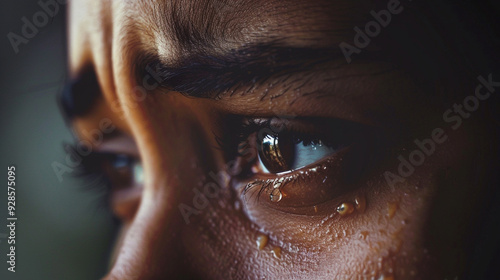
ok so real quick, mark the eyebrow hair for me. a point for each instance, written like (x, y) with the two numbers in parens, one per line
(207, 76)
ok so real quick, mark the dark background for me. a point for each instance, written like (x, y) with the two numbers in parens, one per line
(60, 231)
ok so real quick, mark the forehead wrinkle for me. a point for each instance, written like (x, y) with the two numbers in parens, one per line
(179, 28)
(128, 37)
(199, 26)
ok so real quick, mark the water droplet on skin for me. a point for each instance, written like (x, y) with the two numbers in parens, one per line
(345, 209)
(363, 235)
(391, 209)
(276, 195)
(276, 252)
(261, 241)
(360, 202)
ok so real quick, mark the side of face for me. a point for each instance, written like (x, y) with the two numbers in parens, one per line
(355, 203)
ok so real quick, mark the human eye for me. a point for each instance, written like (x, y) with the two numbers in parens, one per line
(286, 150)
(116, 174)
(115, 170)
(303, 165)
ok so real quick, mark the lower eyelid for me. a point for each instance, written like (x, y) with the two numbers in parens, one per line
(299, 188)
(326, 180)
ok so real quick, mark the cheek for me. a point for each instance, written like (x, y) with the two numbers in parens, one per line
(382, 238)
(386, 240)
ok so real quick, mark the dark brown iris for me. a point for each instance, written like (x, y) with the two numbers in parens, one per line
(277, 153)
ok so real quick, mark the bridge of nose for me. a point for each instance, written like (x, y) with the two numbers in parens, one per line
(177, 155)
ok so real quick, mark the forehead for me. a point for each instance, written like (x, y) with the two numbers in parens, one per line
(115, 37)
(175, 28)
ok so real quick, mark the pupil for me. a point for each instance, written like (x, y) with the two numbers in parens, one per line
(277, 153)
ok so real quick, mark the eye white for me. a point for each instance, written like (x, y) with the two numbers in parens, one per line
(138, 173)
(304, 155)
(309, 154)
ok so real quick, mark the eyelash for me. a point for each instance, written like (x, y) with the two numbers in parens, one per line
(92, 171)
(244, 129)
(93, 176)
(247, 127)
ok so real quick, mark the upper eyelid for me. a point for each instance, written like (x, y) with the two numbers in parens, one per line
(119, 143)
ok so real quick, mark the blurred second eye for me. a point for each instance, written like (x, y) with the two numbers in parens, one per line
(123, 171)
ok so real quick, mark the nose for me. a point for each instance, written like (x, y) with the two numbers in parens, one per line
(171, 146)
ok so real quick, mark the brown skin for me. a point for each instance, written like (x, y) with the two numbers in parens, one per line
(174, 137)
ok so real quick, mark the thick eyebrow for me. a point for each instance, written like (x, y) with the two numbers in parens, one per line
(207, 76)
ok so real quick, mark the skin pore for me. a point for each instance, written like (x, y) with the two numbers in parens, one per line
(365, 113)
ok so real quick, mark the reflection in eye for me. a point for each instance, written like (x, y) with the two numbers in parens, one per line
(281, 153)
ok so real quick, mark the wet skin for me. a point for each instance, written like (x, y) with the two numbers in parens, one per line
(245, 229)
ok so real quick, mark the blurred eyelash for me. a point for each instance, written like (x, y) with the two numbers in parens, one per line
(90, 173)
(232, 143)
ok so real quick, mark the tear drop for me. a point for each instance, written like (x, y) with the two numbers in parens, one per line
(386, 277)
(261, 241)
(391, 209)
(360, 203)
(276, 195)
(276, 252)
(345, 209)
